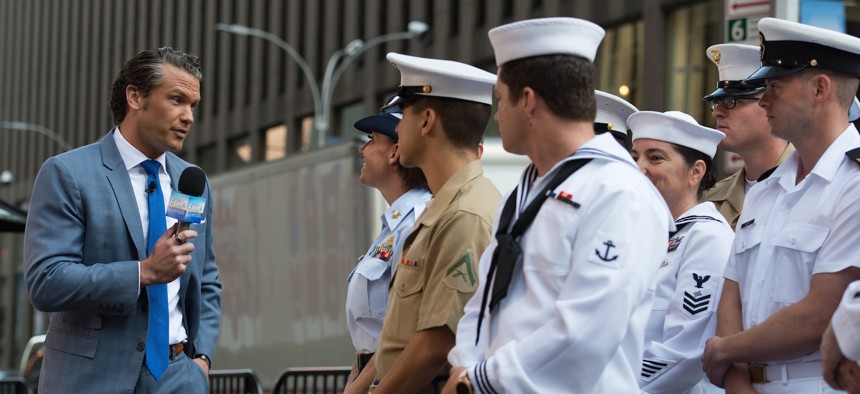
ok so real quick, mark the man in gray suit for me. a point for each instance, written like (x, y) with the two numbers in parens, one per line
(91, 258)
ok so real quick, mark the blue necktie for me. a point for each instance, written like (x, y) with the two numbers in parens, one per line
(157, 334)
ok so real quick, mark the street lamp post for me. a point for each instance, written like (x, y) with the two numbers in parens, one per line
(334, 68)
(24, 126)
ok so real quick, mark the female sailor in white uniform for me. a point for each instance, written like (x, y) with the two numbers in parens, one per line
(675, 153)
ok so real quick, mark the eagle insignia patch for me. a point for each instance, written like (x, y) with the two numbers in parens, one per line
(697, 300)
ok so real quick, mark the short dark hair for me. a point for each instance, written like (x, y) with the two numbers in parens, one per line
(690, 156)
(145, 71)
(413, 178)
(464, 121)
(565, 82)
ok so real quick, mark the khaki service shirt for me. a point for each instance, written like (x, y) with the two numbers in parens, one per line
(438, 270)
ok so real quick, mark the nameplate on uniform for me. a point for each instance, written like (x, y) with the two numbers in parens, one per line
(749, 223)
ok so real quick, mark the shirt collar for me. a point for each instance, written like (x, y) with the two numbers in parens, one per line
(602, 146)
(412, 200)
(827, 165)
(132, 157)
(702, 211)
(450, 189)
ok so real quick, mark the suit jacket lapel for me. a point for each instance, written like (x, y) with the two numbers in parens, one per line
(120, 183)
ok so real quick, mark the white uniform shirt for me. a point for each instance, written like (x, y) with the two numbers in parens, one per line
(689, 283)
(367, 293)
(787, 233)
(574, 317)
(846, 322)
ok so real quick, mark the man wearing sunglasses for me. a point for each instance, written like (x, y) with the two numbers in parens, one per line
(734, 105)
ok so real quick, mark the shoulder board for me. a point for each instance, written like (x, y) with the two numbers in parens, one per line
(766, 174)
(854, 155)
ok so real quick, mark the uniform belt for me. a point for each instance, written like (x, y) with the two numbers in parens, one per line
(176, 349)
(765, 373)
(437, 383)
(361, 360)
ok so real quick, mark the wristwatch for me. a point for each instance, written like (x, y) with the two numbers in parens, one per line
(206, 359)
(463, 384)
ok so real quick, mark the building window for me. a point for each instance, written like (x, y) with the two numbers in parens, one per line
(621, 62)
(307, 134)
(275, 142)
(239, 152)
(347, 115)
(207, 158)
(689, 74)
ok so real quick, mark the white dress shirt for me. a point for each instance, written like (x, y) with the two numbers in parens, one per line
(132, 158)
(789, 232)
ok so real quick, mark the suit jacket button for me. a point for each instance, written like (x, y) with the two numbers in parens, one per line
(141, 346)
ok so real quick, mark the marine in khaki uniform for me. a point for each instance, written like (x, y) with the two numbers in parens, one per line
(446, 107)
(734, 105)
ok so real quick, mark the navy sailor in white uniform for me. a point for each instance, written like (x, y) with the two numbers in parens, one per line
(675, 152)
(565, 290)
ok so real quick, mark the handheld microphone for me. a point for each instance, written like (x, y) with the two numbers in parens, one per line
(186, 205)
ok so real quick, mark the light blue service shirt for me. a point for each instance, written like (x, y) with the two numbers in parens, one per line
(367, 293)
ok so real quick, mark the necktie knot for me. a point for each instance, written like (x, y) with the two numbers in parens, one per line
(151, 167)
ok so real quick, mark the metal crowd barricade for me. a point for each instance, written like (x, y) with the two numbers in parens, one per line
(14, 385)
(233, 381)
(312, 380)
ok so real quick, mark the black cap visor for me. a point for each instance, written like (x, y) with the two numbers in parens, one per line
(771, 72)
(380, 123)
(736, 89)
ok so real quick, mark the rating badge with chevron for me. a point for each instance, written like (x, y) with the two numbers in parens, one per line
(698, 296)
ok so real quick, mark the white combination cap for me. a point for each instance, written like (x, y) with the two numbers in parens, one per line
(735, 63)
(677, 128)
(442, 78)
(787, 47)
(546, 36)
(612, 112)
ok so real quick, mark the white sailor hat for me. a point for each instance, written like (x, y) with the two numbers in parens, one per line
(612, 113)
(788, 47)
(546, 36)
(735, 62)
(677, 128)
(441, 78)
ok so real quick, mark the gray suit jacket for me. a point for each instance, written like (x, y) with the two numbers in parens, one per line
(83, 241)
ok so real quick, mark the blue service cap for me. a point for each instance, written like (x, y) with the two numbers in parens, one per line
(385, 122)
